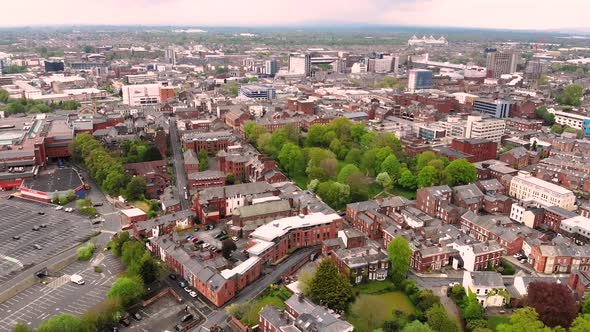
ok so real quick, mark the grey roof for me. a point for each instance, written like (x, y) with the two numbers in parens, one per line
(262, 208)
(233, 190)
(206, 175)
(274, 316)
(487, 279)
(190, 157)
(468, 193)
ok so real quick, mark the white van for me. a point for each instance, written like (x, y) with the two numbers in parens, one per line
(77, 279)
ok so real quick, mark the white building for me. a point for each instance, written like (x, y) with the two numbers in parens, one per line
(525, 186)
(480, 127)
(487, 286)
(141, 94)
(570, 119)
(299, 64)
(358, 68)
(427, 41)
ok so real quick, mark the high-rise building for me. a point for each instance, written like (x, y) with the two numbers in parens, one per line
(419, 79)
(300, 64)
(496, 108)
(500, 63)
(271, 67)
(170, 56)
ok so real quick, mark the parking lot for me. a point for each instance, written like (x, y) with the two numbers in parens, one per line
(162, 315)
(17, 219)
(60, 295)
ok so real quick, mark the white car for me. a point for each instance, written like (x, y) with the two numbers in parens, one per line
(193, 294)
(452, 284)
(59, 207)
(187, 289)
(69, 209)
(235, 238)
(206, 245)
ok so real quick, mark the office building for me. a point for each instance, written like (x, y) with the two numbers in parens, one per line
(526, 186)
(256, 92)
(53, 66)
(479, 127)
(419, 79)
(500, 63)
(570, 119)
(300, 64)
(495, 108)
(170, 56)
(141, 94)
(271, 67)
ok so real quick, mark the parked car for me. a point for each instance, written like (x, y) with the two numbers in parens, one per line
(193, 294)
(43, 225)
(59, 207)
(41, 213)
(35, 228)
(182, 284)
(137, 316)
(172, 276)
(199, 242)
(186, 318)
(16, 237)
(37, 246)
(178, 327)
(97, 204)
(125, 322)
(524, 261)
(235, 238)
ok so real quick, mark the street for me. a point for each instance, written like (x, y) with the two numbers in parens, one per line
(181, 179)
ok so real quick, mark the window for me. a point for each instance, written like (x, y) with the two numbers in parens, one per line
(477, 291)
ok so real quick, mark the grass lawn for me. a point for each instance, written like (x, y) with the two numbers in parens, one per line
(369, 312)
(494, 321)
(141, 205)
(376, 287)
(374, 189)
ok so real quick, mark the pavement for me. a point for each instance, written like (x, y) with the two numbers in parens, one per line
(162, 315)
(181, 178)
(60, 295)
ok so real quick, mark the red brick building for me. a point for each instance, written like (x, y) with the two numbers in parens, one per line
(212, 142)
(166, 93)
(481, 149)
(430, 199)
(206, 179)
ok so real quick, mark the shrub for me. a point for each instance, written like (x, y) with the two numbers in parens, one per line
(86, 252)
(97, 269)
(88, 210)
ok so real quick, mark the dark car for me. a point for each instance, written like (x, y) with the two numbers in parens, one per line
(43, 225)
(199, 242)
(97, 204)
(41, 213)
(186, 317)
(218, 236)
(172, 276)
(178, 327)
(137, 316)
(125, 322)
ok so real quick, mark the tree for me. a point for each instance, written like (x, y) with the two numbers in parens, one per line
(70, 195)
(458, 294)
(581, 324)
(399, 255)
(136, 188)
(118, 241)
(128, 290)
(335, 194)
(557, 129)
(88, 49)
(524, 319)
(407, 180)
(459, 172)
(547, 117)
(417, 326)
(148, 268)
(346, 172)
(329, 287)
(305, 278)
(292, 159)
(230, 179)
(203, 160)
(472, 309)
(253, 131)
(62, 323)
(313, 185)
(423, 159)
(4, 96)
(427, 177)
(392, 166)
(553, 302)
(585, 307)
(438, 320)
(354, 156)
(227, 247)
(384, 180)
(571, 95)
(330, 167)
(359, 187)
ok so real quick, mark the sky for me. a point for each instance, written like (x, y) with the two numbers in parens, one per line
(501, 14)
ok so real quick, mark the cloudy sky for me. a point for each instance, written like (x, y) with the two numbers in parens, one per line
(509, 14)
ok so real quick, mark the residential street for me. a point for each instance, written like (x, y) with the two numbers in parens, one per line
(181, 179)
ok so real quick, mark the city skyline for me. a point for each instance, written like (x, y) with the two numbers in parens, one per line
(501, 14)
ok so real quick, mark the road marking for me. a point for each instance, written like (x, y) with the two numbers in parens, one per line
(59, 282)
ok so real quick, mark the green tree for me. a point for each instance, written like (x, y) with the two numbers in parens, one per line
(315, 136)
(460, 172)
(313, 185)
(346, 172)
(88, 49)
(472, 309)
(423, 159)
(329, 287)
(407, 180)
(392, 166)
(557, 129)
(384, 180)
(118, 241)
(62, 323)
(427, 177)
(439, 321)
(335, 194)
(203, 160)
(135, 188)
(292, 159)
(359, 187)
(148, 268)
(354, 156)
(399, 255)
(416, 326)
(253, 131)
(571, 95)
(128, 290)
(585, 307)
(524, 319)
(547, 117)
(4, 96)
(581, 324)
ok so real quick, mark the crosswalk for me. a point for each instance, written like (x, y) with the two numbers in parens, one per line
(59, 282)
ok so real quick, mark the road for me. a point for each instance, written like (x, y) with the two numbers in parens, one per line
(181, 179)
(219, 317)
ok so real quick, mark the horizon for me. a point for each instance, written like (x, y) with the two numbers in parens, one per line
(462, 14)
